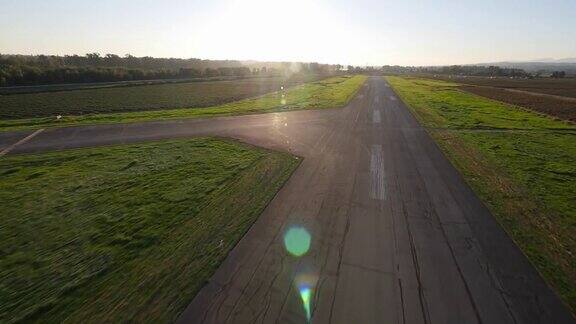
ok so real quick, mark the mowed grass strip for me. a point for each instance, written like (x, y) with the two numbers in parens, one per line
(125, 233)
(521, 164)
(329, 93)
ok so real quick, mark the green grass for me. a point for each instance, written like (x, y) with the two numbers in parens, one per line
(522, 165)
(125, 233)
(442, 105)
(328, 93)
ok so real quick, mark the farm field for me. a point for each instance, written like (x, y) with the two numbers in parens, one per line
(553, 106)
(522, 165)
(328, 93)
(552, 97)
(140, 97)
(558, 87)
(96, 85)
(134, 230)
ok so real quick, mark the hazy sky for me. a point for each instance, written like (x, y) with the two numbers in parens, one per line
(374, 32)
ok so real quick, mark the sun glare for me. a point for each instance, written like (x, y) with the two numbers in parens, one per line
(296, 30)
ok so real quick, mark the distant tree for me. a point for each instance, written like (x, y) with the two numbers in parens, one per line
(225, 71)
(314, 67)
(189, 72)
(112, 60)
(93, 58)
(558, 74)
(241, 71)
(209, 72)
(93, 67)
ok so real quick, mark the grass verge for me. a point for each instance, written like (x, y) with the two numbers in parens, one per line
(521, 164)
(329, 93)
(125, 233)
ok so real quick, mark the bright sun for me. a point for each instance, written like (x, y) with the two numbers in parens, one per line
(295, 30)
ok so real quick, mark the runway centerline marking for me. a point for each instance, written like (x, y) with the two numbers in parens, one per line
(376, 118)
(20, 142)
(377, 174)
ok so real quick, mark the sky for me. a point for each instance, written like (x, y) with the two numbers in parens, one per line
(358, 32)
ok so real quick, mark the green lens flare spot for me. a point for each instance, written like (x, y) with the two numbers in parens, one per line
(297, 241)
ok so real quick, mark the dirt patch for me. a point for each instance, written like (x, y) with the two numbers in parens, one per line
(554, 106)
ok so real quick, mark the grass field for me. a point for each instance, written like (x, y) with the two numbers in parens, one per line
(125, 233)
(139, 98)
(327, 93)
(522, 165)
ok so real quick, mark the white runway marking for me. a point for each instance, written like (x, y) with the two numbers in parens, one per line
(392, 98)
(377, 175)
(376, 118)
(22, 141)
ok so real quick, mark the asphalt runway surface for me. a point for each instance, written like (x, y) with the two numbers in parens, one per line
(397, 236)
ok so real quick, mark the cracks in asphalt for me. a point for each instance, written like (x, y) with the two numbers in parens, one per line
(417, 270)
(402, 300)
(319, 168)
(341, 246)
(342, 243)
(496, 284)
(370, 269)
(472, 244)
(429, 206)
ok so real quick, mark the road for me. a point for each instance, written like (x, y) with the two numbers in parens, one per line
(396, 234)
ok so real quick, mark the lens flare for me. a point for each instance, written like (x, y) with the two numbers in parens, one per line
(305, 282)
(297, 241)
(306, 296)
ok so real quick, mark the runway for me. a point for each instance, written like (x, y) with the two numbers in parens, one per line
(396, 235)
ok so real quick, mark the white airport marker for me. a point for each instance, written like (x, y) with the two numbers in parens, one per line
(377, 175)
(376, 118)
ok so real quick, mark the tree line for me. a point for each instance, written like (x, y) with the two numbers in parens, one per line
(17, 70)
(468, 70)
